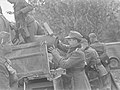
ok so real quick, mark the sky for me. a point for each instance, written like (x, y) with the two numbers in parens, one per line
(6, 6)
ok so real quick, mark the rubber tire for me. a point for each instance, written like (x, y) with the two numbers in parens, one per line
(114, 63)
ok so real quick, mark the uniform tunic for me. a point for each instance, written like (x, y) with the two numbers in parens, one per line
(29, 22)
(100, 48)
(74, 63)
(94, 68)
(107, 79)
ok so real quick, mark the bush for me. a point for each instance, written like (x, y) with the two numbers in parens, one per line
(85, 16)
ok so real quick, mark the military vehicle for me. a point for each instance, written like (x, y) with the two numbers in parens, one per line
(113, 51)
(31, 62)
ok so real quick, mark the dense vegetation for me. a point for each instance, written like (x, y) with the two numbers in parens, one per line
(85, 16)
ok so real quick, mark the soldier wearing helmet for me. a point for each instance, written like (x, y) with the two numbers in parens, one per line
(107, 79)
(100, 48)
(94, 68)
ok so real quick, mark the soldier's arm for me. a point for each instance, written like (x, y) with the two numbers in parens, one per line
(74, 59)
(27, 8)
(53, 65)
(63, 47)
(96, 57)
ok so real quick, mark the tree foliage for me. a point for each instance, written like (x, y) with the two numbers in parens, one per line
(85, 16)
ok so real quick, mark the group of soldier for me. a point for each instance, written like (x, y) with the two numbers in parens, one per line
(86, 64)
(85, 61)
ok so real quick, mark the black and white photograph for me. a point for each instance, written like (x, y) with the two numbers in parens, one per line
(59, 44)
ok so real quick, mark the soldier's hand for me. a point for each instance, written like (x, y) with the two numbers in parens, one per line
(50, 57)
(50, 49)
(53, 50)
(60, 35)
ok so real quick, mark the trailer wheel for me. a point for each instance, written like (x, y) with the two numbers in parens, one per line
(114, 62)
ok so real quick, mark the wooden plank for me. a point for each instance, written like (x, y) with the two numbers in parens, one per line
(30, 59)
(36, 74)
(25, 46)
(26, 56)
(41, 85)
(39, 40)
(48, 28)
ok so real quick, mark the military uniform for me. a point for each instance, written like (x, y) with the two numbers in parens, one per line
(73, 62)
(94, 69)
(108, 81)
(65, 79)
(75, 69)
(21, 10)
(7, 73)
(100, 48)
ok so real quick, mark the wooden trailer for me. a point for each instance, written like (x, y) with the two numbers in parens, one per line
(31, 63)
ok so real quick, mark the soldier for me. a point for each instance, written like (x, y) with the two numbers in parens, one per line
(94, 69)
(7, 73)
(25, 23)
(74, 62)
(100, 48)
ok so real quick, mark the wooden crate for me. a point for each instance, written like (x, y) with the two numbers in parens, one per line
(30, 59)
(41, 84)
